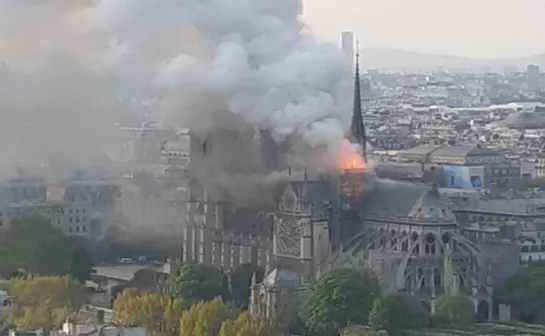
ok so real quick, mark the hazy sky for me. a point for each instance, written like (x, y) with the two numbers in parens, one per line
(475, 28)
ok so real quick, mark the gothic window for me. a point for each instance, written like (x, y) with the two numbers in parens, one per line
(430, 244)
(436, 278)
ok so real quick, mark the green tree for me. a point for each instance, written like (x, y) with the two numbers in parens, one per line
(245, 325)
(206, 318)
(196, 282)
(359, 330)
(225, 289)
(456, 311)
(33, 244)
(241, 279)
(81, 265)
(340, 298)
(43, 302)
(525, 292)
(397, 312)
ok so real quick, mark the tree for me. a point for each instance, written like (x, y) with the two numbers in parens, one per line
(241, 280)
(43, 302)
(34, 245)
(455, 311)
(245, 325)
(196, 282)
(359, 330)
(206, 318)
(340, 298)
(157, 312)
(525, 292)
(397, 312)
(225, 289)
(81, 265)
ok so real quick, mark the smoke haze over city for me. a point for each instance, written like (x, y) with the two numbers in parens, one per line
(74, 69)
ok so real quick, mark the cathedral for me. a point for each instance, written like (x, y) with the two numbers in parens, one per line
(310, 223)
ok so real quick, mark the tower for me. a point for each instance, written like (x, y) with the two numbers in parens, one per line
(357, 130)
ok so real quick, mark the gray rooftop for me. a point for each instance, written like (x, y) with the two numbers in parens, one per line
(463, 151)
(282, 278)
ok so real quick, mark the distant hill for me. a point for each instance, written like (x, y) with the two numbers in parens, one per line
(409, 60)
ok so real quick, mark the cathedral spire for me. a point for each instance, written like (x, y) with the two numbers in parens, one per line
(305, 185)
(357, 129)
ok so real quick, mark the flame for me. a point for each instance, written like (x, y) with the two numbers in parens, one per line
(349, 157)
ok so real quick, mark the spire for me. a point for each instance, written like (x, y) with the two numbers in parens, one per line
(305, 185)
(357, 129)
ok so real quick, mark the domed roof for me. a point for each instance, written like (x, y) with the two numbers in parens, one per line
(431, 209)
(282, 278)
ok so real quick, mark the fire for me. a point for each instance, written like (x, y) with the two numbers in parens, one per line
(349, 157)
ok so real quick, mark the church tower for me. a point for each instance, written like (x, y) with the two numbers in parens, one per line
(357, 130)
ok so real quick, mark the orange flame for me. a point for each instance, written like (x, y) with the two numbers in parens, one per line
(349, 157)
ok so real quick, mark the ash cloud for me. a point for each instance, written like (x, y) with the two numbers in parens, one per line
(72, 67)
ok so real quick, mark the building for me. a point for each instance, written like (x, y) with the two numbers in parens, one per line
(78, 207)
(144, 144)
(469, 166)
(405, 232)
(532, 78)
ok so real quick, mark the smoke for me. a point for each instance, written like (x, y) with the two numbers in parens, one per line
(74, 68)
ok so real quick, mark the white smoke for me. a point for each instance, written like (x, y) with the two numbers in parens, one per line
(200, 61)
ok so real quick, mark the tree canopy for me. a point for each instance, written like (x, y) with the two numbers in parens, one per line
(159, 313)
(398, 311)
(33, 244)
(525, 292)
(206, 318)
(340, 298)
(81, 265)
(241, 280)
(245, 325)
(196, 282)
(454, 311)
(43, 302)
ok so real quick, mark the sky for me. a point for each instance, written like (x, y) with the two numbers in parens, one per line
(472, 28)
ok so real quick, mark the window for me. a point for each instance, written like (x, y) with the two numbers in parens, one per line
(77, 228)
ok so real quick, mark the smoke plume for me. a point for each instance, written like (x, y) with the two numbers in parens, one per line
(74, 68)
